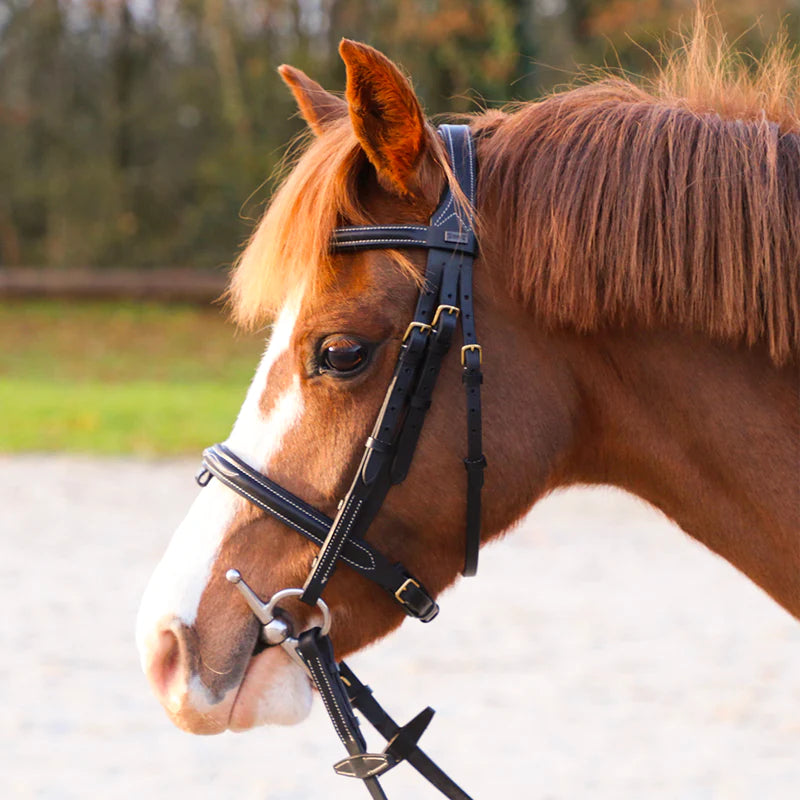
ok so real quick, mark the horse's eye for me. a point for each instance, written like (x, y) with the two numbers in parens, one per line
(342, 354)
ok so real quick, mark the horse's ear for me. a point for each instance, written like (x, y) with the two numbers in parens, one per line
(385, 113)
(317, 106)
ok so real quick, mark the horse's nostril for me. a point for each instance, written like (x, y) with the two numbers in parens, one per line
(165, 668)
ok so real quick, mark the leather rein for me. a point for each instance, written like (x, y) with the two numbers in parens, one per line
(446, 294)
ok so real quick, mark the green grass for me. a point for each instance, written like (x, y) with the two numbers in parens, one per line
(119, 378)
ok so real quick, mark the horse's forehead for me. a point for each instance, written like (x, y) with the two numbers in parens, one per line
(363, 287)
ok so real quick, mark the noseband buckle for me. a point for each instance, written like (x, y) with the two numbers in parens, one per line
(416, 601)
(409, 582)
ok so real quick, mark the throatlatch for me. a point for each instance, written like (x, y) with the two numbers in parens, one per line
(388, 452)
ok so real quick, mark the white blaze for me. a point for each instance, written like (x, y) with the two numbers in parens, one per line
(254, 438)
(179, 580)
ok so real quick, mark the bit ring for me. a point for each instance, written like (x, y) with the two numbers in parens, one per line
(269, 608)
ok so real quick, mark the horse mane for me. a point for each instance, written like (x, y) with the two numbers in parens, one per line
(674, 202)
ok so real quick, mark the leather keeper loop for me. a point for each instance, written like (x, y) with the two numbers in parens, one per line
(469, 378)
(475, 463)
(377, 445)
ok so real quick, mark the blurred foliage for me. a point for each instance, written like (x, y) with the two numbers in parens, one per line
(140, 132)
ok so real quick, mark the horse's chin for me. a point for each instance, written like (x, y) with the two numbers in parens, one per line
(274, 691)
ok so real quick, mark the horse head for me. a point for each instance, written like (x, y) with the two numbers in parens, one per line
(339, 323)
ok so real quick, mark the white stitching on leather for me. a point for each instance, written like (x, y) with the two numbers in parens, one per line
(257, 501)
(387, 227)
(450, 149)
(256, 478)
(295, 526)
(450, 216)
(379, 241)
(437, 220)
(332, 560)
(339, 714)
(471, 154)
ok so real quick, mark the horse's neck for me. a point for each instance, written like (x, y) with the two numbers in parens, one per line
(707, 433)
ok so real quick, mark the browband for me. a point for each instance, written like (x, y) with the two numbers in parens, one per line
(374, 237)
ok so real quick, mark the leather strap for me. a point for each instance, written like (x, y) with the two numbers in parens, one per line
(475, 462)
(400, 746)
(376, 237)
(389, 450)
(317, 653)
(461, 150)
(441, 338)
(341, 692)
(239, 476)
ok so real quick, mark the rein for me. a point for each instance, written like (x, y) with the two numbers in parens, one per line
(388, 452)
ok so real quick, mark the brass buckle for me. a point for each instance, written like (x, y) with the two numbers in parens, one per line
(423, 326)
(406, 583)
(448, 309)
(471, 347)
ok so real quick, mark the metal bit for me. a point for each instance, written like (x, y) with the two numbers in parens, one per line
(275, 630)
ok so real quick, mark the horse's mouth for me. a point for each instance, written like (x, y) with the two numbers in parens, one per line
(260, 647)
(274, 690)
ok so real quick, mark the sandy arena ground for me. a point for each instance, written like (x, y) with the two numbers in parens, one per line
(599, 654)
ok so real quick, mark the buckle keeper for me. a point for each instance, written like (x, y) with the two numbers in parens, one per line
(473, 464)
(378, 445)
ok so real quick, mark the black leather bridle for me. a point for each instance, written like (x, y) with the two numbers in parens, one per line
(445, 295)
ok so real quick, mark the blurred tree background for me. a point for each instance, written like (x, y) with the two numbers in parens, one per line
(140, 133)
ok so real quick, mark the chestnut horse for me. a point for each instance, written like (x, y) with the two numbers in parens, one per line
(637, 295)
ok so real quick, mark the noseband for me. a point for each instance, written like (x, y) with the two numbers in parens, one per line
(446, 294)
